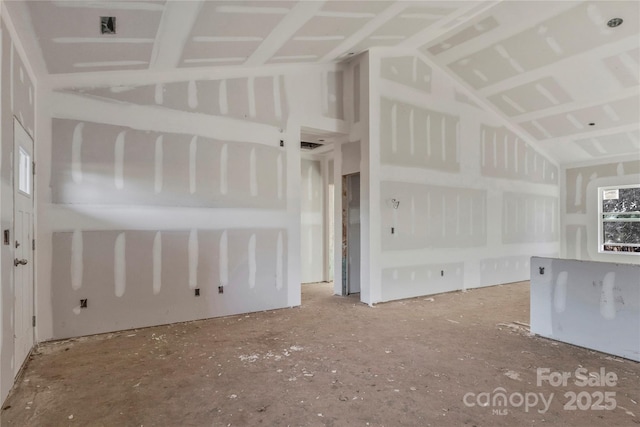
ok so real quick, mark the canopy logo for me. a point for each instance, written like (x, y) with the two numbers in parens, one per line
(500, 401)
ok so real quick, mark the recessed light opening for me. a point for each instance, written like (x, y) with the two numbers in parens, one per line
(107, 24)
(614, 22)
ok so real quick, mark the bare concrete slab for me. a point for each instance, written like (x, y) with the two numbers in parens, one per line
(428, 361)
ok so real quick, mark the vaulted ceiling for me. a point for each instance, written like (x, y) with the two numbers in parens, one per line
(554, 70)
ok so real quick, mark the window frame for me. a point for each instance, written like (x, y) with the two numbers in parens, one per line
(602, 221)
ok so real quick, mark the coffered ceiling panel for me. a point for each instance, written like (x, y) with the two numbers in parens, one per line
(69, 33)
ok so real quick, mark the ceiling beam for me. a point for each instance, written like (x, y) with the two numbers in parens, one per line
(366, 30)
(175, 27)
(290, 24)
(449, 23)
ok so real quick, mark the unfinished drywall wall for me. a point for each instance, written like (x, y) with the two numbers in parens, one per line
(160, 193)
(18, 100)
(580, 207)
(462, 201)
(143, 278)
(591, 304)
(312, 221)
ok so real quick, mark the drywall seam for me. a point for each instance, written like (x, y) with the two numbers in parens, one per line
(76, 154)
(157, 263)
(193, 255)
(100, 217)
(76, 260)
(85, 108)
(435, 177)
(120, 266)
(119, 161)
(158, 165)
(223, 260)
(193, 151)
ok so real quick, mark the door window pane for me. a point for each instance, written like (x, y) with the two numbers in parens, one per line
(24, 171)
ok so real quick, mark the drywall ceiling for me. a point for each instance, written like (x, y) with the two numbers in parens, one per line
(550, 68)
(555, 70)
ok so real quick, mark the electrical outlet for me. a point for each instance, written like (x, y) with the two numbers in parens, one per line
(442, 273)
(220, 289)
(393, 230)
(197, 292)
(83, 303)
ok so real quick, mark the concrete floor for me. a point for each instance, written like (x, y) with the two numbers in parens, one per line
(331, 362)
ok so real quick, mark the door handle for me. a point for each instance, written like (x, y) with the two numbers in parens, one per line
(18, 262)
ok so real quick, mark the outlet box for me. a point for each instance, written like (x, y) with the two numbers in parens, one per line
(220, 289)
(83, 303)
(197, 292)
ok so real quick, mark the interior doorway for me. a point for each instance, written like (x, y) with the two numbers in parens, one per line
(351, 234)
(23, 244)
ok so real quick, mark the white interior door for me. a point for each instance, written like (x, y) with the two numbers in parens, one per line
(23, 244)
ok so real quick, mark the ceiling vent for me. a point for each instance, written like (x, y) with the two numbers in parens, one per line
(309, 145)
(107, 24)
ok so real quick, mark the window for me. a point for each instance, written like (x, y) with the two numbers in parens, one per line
(619, 214)
(24, 171)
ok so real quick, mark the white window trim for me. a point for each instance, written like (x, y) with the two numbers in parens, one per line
(601, 243)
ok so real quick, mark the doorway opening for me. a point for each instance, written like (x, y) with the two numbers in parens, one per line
(318, 219)
(351, 234)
